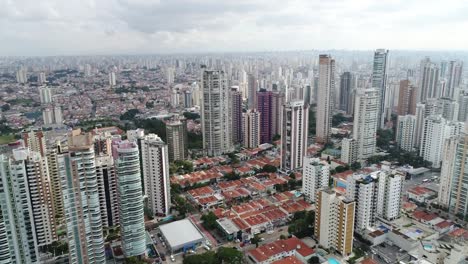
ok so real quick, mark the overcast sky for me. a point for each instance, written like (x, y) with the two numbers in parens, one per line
(68, 27)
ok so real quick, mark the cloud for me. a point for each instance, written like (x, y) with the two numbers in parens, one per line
(50, 27)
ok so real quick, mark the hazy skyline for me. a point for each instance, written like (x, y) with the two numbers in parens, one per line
(54, 27)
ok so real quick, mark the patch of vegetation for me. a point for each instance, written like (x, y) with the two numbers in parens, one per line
(191, 116)
(131, 89)
(57, 248)
(180, 166)
(23, 102)
(312, 122)
(209, 220)
(194, 140)
(152, 125)
(130, 114)
(269, 168)
(338, 119)
(5, 139)
(384, 136)
(302, 224)
(358, 253)
(223, 255)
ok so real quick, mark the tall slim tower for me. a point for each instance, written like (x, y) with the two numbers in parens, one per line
(295, 122)
(346, 87)
(251, 121)
(264, 106)
(39, 187)
(326, 87)
(236, 115)
(130, 198)
(455, 71)
(216, 113)
(112, 80)
(379, 80)
(156, 174)
(81, 200)
(428, 81)
(407, 98)
(277, 101)
(18, 238)
(366, 113)
(457, 162)
(252, 88)
(449, 155)
(176, 134)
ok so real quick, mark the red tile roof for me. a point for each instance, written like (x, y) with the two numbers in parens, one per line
(458, 232)
(444, 224)
(288, 260)
(368, 261)
(419, 190)
(267, 251)
(200, 192)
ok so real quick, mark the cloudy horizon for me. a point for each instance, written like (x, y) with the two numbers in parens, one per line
(88, 27)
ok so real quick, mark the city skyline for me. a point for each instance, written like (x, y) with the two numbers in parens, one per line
(137, 27)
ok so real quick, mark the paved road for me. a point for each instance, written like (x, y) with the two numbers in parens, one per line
(417, 180)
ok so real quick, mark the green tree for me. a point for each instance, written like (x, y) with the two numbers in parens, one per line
(194, 140)
(269, 168)
(355, 166)
(209, 220)
(231, 176)
(282, 237)
(292, 175)
(339, 169)
(384, 136)
(149, 104)
(314, 260)
(276, 137)
(338, 119)
(133, 260)
(312, 122)
(190, 115)
(229, 255)
(5, 107)
(130, 114)
(255, 240)
(205, 258)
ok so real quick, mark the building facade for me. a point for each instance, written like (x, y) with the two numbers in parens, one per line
(176, 137)
(81, 200)
(366, 120)
(407, 98)
(315, 176)
(390, 186)
(326, 88)
(236, 115)
(334, 221)
(130, 198)
(295, 122)
(155, 161)
(264, 107)
(216, 113)
(405, 133)
(251, 128)
(379, 82)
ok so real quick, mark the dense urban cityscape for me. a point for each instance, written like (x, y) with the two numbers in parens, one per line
(288, 157)
(233, 132)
